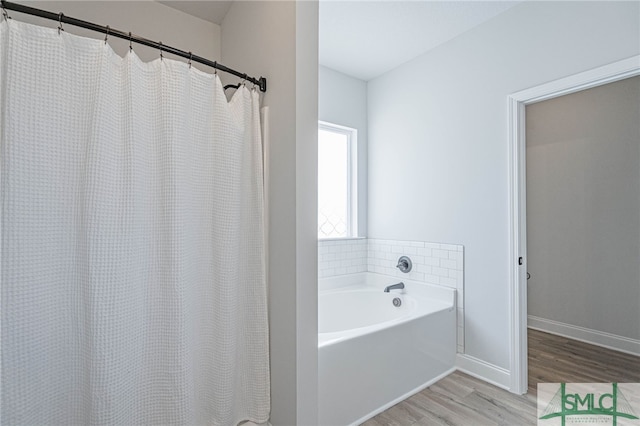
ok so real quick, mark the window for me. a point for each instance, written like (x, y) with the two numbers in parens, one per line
(337, 175)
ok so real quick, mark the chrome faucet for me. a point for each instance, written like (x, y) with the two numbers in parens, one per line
(398, 286)
(404, 264)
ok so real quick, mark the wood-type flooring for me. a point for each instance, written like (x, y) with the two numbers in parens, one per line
(462, 400)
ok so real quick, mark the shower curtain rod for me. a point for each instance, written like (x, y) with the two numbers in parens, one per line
(61, 18)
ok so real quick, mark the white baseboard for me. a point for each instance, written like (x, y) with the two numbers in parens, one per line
(484, 371)
(467, 364)
(594, 337)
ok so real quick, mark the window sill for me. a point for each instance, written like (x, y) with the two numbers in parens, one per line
(341, 239)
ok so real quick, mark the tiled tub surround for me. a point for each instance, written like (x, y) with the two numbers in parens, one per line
(341, 257)
(433, 263)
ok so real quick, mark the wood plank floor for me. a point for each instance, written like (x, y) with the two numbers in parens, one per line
(462, 400)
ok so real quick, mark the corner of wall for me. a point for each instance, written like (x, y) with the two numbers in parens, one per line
(278, 40)
(307, 210)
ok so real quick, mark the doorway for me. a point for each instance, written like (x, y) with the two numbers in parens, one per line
(518, 238)
(583, 214)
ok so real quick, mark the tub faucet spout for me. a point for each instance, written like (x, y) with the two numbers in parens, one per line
(398, 286)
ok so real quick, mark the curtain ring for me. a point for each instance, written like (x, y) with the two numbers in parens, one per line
(161, 57)
(215, 67)
(106, 35)
(5, 15)
(130, 46)
(60, 15)
(190, 57)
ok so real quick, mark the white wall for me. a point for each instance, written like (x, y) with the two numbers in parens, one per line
(279, 40)
(583, 208)
(343, 100)
(438, 154)
(147, 19)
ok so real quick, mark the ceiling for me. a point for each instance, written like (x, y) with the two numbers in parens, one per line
(212, 11)
(365, 39)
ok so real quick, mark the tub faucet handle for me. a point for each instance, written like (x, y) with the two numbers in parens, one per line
(404, 264)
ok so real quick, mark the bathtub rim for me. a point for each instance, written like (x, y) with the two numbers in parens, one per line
(408, 301)
(443, 297)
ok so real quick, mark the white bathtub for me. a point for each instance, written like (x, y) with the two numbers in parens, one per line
(372, 354)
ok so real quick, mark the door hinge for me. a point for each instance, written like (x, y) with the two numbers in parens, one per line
(519, 261)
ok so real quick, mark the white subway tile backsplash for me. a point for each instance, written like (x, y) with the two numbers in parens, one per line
(431, 279)
(421, 267)
(448, 282)
(440, 254)
(409, 250)
(427, 252)
(337, 257)
(432, 261)
(440, 272)
(448, 264)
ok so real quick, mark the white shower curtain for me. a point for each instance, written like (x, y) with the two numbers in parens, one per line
(132, 257)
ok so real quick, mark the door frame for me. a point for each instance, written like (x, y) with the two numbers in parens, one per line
(517, 103)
